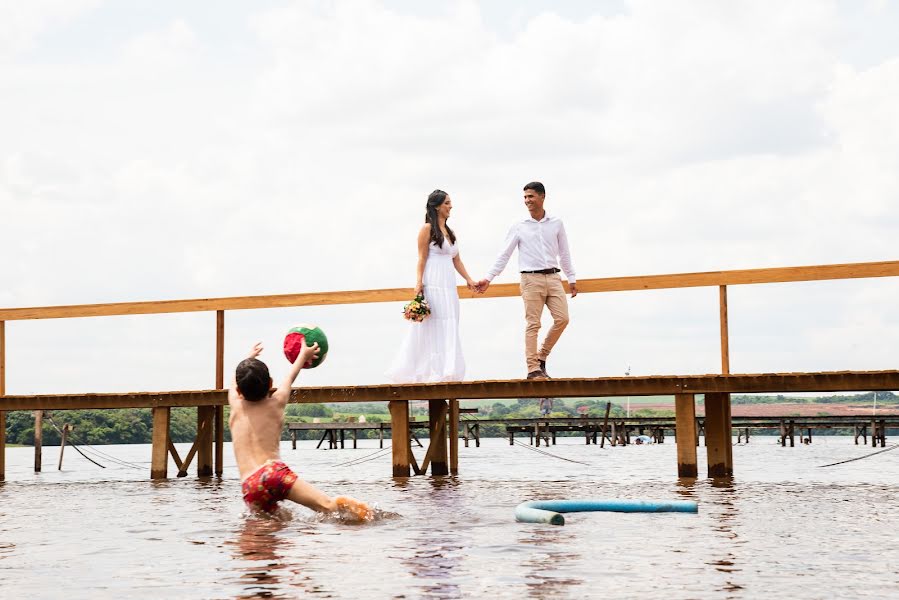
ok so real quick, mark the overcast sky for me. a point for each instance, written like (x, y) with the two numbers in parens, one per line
(168, 149)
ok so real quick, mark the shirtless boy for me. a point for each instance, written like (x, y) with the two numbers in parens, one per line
(257, 418)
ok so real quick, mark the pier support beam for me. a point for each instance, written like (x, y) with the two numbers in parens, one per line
(454, 437)
(2, 393)
(719, 446)
(399, 430)
(205, 423)
(437, 410)
(685, 420)
(160, 456)
(38, 439)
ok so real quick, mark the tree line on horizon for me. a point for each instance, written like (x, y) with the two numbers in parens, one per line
(135, 425)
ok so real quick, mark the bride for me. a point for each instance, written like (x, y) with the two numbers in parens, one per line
(431, 349)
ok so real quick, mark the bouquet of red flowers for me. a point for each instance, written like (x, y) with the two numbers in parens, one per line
(417, 310)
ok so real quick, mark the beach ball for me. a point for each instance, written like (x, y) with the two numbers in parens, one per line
(305, 334)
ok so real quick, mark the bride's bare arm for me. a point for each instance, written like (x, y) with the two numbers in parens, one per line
(424, 236)
(460, 268)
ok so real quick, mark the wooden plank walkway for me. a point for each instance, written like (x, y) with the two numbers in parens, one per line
(834, 381)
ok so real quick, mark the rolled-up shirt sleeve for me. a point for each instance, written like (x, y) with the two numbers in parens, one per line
(503, 259)
(565, 255)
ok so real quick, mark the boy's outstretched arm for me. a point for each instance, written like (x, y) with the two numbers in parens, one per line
(306, 354)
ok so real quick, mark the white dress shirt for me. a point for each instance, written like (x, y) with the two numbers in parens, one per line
(541, 245)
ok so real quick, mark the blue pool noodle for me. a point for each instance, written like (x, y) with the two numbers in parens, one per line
(548, 511)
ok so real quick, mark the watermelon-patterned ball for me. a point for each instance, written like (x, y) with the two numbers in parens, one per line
(305, 334)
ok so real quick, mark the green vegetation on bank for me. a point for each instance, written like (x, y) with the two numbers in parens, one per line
(135, 426)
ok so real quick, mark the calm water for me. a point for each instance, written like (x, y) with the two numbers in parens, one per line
(783, 527)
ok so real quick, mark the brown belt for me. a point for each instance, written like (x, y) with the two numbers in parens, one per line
(543, 271)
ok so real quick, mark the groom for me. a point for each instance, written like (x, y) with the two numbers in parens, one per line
(542, 244)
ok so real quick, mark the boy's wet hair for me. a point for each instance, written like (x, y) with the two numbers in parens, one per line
(253, 380)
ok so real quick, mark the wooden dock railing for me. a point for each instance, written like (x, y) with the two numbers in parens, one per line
(209, 403)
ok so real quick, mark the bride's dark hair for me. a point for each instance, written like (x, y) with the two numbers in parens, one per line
(435, 199)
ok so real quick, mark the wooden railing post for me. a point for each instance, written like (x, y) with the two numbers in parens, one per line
(725, 343)
(219, 384)
(685, 435)
(399, 432)
(2, 393)
(159, 465)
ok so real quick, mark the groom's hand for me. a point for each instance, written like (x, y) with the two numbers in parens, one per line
(573, 288)
(483, 285)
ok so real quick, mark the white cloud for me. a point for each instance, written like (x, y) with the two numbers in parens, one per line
(685, 137)
(21, 23)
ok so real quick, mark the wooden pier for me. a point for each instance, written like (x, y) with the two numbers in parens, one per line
(443, 398)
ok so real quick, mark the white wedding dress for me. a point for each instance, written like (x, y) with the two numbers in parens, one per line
(431, 350)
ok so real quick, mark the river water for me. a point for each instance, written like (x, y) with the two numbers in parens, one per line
(783, 527)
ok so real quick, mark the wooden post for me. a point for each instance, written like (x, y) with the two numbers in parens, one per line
(614, 434)
(728, 422)
(38, 439)
(792, 430)
(685, 423)
(399, 427)
(2, 393)
(381, 435)
(219, 413)
(355, 437)
(605, 423)
(205, 422)
(722, 313)
(454, 437)
(293, 439)
(437, 410)
(160, 456)
(718, 435)
(62, 443)
(783, 434)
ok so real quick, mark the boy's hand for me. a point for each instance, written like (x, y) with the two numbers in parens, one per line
(307, 354)
(256, 350)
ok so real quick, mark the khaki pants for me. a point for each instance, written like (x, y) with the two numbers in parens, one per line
(538, 290)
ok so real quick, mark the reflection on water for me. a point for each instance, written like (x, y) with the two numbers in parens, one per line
(436, 549)
(258, 544)
(111, 533)
(725, 516)
(544, 568)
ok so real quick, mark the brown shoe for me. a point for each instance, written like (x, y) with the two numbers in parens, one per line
(538, 374)
(543, 367)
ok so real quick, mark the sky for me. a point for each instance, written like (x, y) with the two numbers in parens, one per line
(156, 149)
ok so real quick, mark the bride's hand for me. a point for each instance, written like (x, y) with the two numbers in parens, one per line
(418, 290)
(472, 285)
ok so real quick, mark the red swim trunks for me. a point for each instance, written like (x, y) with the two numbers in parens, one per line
(268, 486)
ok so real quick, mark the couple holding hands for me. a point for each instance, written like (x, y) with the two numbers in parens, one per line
(431, 350)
